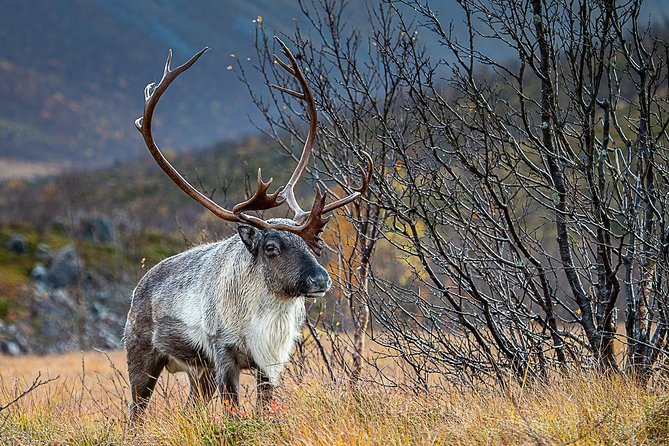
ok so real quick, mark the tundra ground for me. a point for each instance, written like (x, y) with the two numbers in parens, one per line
(86, 404)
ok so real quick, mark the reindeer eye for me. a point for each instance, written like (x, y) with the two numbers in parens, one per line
(272, 249)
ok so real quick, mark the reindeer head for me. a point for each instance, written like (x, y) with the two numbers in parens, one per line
(288, 266)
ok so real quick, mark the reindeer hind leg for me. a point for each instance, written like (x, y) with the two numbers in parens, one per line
(143, 372)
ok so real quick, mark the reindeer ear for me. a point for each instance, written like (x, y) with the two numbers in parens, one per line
(251, 237)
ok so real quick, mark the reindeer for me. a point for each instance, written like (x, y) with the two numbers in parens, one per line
(236, 304)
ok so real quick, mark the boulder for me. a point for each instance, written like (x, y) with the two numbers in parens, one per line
(17, 244)
(12, 348)
(43, 251)
(65, 269)
(104, 229)
(11, 341)
(39, 273)
(97, 229)
(54, 322)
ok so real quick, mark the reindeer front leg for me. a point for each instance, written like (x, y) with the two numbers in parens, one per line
(227, 375)
(264, 389)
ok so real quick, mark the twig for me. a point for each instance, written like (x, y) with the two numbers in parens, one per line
(321, 349)
(37, 382)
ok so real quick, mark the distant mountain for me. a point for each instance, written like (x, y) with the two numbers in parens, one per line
(72, 72)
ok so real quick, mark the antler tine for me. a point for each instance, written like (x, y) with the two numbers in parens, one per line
(285, 66)
(152, 94)
(294, 93)
(312, 228)
(294, 69)
(306, 95)
(261, 200)
(357, 192)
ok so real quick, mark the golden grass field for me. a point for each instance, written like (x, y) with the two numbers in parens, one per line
(86, 405)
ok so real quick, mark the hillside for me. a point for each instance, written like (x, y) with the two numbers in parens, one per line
(73, 246)
(142, 191)
(73, 75)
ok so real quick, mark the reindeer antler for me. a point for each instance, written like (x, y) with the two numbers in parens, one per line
(310, 225)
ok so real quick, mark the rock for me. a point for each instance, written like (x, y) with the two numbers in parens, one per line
(12, 348)
(39, 273)
(11, 341)
(104, 229)
(58, 323)
(53, 324)
(43, 251)
(97, 229)
(65, 269)
(17, 244)
(87, 229)
(64, 317)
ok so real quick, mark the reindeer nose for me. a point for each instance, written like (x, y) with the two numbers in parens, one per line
(319, 283)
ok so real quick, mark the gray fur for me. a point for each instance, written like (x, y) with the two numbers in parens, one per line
(217, 309)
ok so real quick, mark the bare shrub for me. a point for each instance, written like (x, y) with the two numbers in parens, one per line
(524, 191)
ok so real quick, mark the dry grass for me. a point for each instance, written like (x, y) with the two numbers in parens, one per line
(87, 404)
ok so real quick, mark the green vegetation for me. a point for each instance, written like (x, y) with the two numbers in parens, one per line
(15, 268)
(121, 262)
(160, 245)
(4, 308)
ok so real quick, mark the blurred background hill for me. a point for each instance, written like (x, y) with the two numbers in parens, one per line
(73, 74)
(84, 210)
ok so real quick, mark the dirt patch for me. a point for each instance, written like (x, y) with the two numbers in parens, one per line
(11, 169)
